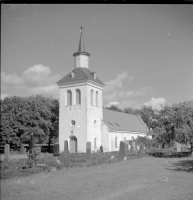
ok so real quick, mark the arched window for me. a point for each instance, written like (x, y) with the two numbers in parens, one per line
(115, 142)
(97, 99)
(92, 94)
(78, 97)
(95, 142)
(69, 98)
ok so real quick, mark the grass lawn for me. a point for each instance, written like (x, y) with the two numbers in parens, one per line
(146, 178)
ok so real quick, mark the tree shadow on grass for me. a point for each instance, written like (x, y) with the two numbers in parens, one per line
(183, 166)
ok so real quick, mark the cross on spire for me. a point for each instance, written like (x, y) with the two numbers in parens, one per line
(81, 29)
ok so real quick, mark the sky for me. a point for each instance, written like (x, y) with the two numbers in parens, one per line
(142, 53)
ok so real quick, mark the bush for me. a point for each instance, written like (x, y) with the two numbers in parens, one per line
(22, 173)
(53, 162)
(36, 162)
(33, 156)
(4, 166)
(166, 154)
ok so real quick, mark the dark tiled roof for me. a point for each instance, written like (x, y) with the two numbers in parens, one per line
(119, 121)
(80, 74)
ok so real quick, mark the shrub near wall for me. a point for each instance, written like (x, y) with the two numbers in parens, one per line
(46, 162)
(167, 154)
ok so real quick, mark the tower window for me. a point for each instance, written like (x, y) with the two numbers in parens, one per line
(69, 98)
(72, 123)
(95, 142)
(78, 97)
(97, 99)
(92, 99)
(116, 142)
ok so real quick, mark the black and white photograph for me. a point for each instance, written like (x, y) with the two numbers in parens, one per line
(96, 102)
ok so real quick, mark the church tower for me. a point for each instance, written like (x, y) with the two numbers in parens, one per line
(81, 105)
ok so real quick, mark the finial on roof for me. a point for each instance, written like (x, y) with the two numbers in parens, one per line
(81, 29)
(81, 42)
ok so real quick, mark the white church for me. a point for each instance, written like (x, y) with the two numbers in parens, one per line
(82, 117)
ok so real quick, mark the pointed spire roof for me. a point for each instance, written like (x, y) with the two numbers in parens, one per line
(81, 48)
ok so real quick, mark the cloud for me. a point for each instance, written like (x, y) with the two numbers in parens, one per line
(128, 103)
(132, 93)
(115, 103)
(10, 79)
(114, 91)
(39, 75)
(156, 103)
(110, 97)
(38, 79)
(115, 83)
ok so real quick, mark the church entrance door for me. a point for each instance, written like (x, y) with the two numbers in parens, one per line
(73, 144)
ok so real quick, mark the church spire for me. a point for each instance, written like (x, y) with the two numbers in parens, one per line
(81, 42)
(81, 57)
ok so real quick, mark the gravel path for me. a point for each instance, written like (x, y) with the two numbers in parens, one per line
(144, 178)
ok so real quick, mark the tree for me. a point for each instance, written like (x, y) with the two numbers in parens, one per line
(132, 111)
(128, 110)
(183, 122)
(147, 114)
(115, 108)
(54, 122)
(9, 125)
(23, 115)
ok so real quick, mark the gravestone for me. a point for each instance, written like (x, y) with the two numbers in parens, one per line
(7, 153)
(133, 144)
(129, 147)
(65, 146)
(31, 143)
(56, 149)
(133, 148)
(179, 147)
(126, 147)
(88, 150)
(22, 149)
(122, 149)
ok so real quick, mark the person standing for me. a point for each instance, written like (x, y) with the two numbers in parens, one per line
(101, 149)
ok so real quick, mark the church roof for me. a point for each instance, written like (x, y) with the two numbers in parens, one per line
(118, 121)
(80, 74)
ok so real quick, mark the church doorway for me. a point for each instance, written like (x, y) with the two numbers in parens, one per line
(73, 144)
